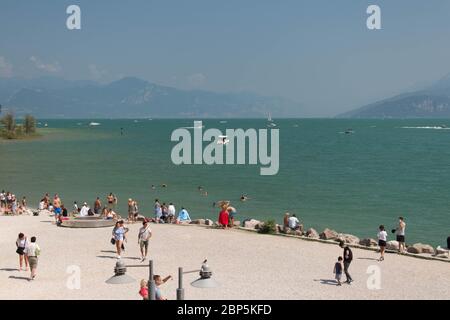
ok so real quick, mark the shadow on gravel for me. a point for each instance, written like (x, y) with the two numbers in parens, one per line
(330, 282)
(19, 278)
(115, 258)
(9, 269)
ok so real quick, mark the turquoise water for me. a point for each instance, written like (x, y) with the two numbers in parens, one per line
(348, 182)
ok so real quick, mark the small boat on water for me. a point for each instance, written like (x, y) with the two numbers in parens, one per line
(46, 125)
(271, 124)
(94, 124)
(349, 131)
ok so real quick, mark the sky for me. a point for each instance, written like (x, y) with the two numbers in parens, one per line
(316, 52)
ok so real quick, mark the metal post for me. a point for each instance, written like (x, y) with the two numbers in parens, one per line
(180, 290)
(151, 282)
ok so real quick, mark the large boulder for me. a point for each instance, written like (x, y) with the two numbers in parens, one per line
(392, 245)
(368, 242)
(420, 248)
(198, 221)
(236, 224)
(27, 212)
(328, 234)
(312, 233)
(259, 225)
(298, 232)
(348, 238)
(280, 228)
(252, 224)
(440, 250)
(140, 218)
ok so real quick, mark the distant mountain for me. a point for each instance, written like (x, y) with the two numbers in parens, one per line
(132, 98)
(430, 102)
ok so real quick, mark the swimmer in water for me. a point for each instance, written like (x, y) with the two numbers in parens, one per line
(153, 187)
(200, 188)
(164, 185)
(244, 197)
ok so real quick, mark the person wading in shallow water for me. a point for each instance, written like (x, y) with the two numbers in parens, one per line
(348, 257)
(110, 200)
(97, 206)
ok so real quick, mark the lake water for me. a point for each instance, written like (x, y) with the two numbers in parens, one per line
(348, 182)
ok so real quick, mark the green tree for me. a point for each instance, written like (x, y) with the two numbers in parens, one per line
(29, 124)
(9, 123)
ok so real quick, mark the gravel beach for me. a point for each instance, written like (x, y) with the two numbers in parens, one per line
(247, 265)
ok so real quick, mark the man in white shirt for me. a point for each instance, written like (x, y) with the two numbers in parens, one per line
(293, 222)
(32, 252)
(145, 233)
(84, 212)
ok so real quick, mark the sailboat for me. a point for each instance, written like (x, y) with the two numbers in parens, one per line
(271, 123)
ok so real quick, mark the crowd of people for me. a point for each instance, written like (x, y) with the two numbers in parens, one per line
(28, 250)
(10, 205)
(164, 213)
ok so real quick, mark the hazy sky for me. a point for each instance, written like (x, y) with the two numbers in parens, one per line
(316, 52)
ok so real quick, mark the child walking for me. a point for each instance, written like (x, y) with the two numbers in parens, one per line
(338, 271)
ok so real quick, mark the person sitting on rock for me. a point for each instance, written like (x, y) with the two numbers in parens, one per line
(286, 221)
(294, 223)
(183, 216)
(111, 215)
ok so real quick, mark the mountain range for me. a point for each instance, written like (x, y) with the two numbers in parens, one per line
(431, 102)
(130, 97)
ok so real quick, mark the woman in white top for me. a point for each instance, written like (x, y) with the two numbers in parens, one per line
(21, 244)
(382, 237)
